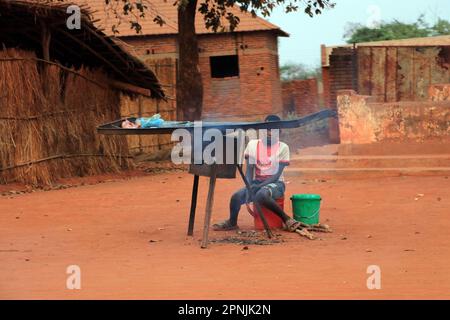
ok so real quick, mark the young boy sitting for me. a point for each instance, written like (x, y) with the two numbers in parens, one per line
(265, 160)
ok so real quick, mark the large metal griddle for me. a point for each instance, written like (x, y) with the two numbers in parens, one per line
(114, 128)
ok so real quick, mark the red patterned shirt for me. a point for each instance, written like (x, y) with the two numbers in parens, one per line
(267, 158)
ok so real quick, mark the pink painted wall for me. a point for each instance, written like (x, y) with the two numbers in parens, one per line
(363, 121)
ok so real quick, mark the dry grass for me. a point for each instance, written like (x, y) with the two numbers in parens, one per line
(48, 120)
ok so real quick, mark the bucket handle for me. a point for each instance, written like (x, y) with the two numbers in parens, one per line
(313, 215)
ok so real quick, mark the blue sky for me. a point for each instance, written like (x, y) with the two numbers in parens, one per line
(307, 34)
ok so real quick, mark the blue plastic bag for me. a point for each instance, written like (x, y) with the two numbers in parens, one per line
(154, 121)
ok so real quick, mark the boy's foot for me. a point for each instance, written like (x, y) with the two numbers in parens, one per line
(224, 226)
(292, 225)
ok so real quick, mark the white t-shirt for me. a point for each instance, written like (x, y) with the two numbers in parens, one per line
(267, 158)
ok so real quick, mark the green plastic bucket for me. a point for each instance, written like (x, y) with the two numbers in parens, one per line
(306, 208)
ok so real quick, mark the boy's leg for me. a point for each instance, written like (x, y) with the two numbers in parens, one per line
(237, 200)
(264, 198)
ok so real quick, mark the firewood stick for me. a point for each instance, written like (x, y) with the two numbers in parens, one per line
(316, 227)
(312, 229)
(305, 233)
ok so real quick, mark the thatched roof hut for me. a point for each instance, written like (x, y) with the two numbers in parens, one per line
(25, 24)
(56, 86)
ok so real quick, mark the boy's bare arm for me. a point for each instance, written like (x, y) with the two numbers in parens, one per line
(272, 179)
(249, 174)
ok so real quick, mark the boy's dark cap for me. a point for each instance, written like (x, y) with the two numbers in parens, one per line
(272, 117)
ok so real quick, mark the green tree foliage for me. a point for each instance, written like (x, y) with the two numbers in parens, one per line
(394, 30)
(441, 27)
(298, 71)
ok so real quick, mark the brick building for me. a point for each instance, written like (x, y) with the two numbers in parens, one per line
(390, 71)
(240, 69)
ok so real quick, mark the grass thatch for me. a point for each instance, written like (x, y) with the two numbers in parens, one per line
(48, 120)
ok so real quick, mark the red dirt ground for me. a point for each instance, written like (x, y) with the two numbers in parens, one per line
(106, 229)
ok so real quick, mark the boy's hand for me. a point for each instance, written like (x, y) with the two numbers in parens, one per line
(255, 188)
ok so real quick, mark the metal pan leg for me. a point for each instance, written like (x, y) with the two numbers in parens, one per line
(193, 206)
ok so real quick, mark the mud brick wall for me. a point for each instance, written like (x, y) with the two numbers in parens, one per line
(363, 120)
(300, 97)
(252, 95)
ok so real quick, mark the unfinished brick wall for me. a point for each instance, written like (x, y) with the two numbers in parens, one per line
(300, 97)
(253, 94)
(341, 72)
(361, 120)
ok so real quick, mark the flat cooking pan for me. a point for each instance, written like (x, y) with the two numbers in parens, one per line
(114, 128)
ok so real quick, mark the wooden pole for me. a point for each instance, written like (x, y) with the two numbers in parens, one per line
(209, 205)
(141, 148)
(96, 54)
(130, 88)
(45, 39)
(193, 206)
